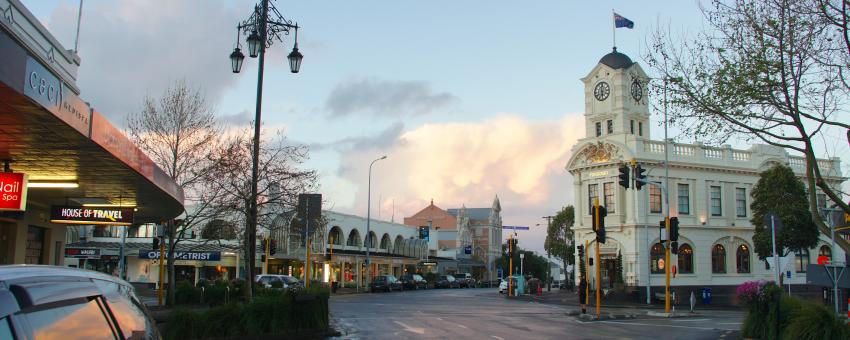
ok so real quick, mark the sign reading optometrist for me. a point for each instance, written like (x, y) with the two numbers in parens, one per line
(84, 215)
(13, 191)
(183, 255)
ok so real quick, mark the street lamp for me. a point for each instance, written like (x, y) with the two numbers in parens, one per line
(368, 220)
(262, 32)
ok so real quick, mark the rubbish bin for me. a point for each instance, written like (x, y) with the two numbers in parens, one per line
(706, 295)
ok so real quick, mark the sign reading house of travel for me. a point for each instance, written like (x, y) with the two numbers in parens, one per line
(13, 191)
(82, 253)
(83, 215)
(183, 255)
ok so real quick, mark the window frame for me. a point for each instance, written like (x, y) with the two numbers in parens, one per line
(799, 258)
(718, 199)
(656, 253)
(740, 202)
(632, 126)
(686, 200)
(640, 128)
(686, 259)
(652, 192)
(609, 128)
(598, 129)
(591, 194)
(608, 191)
(743, 265)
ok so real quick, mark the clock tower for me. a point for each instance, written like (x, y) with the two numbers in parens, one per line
(615, 98)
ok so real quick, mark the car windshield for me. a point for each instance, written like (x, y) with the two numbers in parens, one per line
(290, 279)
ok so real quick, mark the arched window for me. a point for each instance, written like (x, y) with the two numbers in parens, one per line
(802, 258)
(335, 236)
(825, 251)
(718, 259)
(656, 259)
(385, 242)
(742, 259)
(353, 238)
(371, 240)
(686, 259)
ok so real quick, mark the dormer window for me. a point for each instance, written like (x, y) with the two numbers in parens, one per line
(598, 129)
(610, 127)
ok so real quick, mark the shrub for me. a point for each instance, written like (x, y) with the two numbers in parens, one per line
(190, 324)
(186, 293)
(816, 322)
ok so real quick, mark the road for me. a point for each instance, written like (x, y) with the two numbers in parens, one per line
(484, 314)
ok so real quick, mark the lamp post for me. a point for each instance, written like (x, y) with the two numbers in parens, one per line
(368, 220)
(262, 32)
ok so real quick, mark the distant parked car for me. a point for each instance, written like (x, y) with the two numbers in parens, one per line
(413, 281)
(447, 281)
(282, 281)
(385, 283)
(49, 302)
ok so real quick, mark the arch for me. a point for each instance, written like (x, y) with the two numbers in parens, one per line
(335, 236)
(656, 256)
(385, 242)
(354, 238)
(742, 259)
(718, 259)
(686, 259)
(371, 240)
(825, 251)
(397, 243)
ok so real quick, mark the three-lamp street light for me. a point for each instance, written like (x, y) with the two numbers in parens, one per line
(262, 31)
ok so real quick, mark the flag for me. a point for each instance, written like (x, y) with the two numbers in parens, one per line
(620, 21)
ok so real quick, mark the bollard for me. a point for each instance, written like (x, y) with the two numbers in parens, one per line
(693, 301)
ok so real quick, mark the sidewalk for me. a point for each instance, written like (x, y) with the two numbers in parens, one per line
(570, 298)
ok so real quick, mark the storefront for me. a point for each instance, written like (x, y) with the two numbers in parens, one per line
(57, 151)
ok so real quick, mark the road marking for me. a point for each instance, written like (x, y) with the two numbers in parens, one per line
(462, 326)
(689, 320)
(416, 330)
(728, 323)
(441, 319)
(496, 337)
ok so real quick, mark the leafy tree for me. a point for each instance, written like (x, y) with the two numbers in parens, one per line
(766, 70)
(618, 275)
(559, 236)
(779, 191)
(218, 229)
(532, 264)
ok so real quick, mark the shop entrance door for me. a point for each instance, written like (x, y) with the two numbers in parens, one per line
(35, 246)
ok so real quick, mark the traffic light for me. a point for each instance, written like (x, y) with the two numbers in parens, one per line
(674, 229)
(156, 243)
(272, 246)
(263, 258)
(624, 176)
(590, 261)
(263, 245)
(580, 252)
(674, 247)
(600, 228)
(639, 177)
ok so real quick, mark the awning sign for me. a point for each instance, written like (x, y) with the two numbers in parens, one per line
(84, 215)
(183, 255)
(82, 253)
(13, 191)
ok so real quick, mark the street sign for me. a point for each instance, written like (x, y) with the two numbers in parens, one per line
(467, 250)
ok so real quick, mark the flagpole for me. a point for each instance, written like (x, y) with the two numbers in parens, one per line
(614, 28)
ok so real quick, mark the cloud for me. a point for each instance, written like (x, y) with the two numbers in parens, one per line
(130, 49)
(237, 119)
(469, 163)
(386, 98)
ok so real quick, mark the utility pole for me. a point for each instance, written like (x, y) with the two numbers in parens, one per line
(598, 262)
(666, 202)
(510, 263)
(586, 271)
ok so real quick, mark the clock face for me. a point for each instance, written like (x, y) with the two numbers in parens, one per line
(601, 91)
(637, 90)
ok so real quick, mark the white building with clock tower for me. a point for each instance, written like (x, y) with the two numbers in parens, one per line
(709, 192)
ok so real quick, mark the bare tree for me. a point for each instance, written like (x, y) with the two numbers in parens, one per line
(178, 130)
(758, 72)
(279, 183)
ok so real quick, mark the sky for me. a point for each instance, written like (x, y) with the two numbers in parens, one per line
(468, 99)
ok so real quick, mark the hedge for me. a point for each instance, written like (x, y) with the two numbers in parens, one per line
(272, 312)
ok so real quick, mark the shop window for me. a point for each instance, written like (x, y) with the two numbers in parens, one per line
(718, 259)
(802, 260)
(686, 259)
(656, 257)
(742, 259)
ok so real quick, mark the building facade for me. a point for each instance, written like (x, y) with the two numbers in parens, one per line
(709, 192)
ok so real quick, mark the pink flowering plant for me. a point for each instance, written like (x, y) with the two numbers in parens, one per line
(751, 292)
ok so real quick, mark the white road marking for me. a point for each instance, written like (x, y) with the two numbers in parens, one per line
(416, 330)
(462, 326)
(496, 337)
(688, 320)
(674, 326)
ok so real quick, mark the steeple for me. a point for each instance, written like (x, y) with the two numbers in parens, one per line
(616, 104)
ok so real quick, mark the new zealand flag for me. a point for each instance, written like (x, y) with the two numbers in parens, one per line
(620, 21)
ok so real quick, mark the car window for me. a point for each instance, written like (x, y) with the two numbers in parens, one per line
(84, 319)
(5, 329)
(131, 319)
(265, 279)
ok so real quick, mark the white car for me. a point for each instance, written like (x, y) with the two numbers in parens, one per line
(503, 286)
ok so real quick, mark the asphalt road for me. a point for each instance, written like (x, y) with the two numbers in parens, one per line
(484, 314)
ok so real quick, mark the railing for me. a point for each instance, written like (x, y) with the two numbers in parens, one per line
(710, 154)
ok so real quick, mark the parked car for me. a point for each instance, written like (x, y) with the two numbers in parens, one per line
(281, 281)
(446, 281)
(49, 302)
(466, 280)
(385, 283)
(413, 281)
